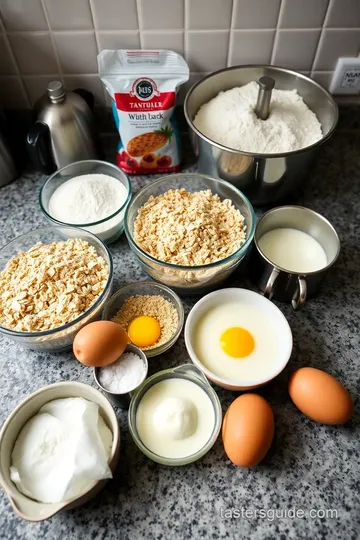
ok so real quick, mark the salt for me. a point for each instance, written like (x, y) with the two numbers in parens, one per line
(123, 375)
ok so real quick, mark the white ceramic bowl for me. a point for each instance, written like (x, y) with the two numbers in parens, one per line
(257, 301)
(25, 507)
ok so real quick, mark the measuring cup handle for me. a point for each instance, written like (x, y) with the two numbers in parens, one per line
(268, 291)
(299, 297)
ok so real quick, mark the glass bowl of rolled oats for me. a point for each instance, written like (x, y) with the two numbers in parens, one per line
(53, 281)
(190, 231)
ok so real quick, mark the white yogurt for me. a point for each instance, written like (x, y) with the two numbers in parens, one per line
(293, 250)
(61, 451)
(175, 418)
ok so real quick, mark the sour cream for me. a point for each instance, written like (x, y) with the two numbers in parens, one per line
(175, 418)
(61, 451)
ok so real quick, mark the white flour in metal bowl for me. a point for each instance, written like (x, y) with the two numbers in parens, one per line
(230, 119)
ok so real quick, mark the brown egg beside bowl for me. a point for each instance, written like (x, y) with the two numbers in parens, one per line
(248, 430)
(100, 343)
(320, 396)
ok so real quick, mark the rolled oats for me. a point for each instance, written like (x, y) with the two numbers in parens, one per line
(50, 285)
(189, 229)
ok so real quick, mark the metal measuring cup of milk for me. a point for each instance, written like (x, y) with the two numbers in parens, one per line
(282, 284)
(123, 400)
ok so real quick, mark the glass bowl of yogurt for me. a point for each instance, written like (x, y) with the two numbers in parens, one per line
(89, 194)
(175, 416)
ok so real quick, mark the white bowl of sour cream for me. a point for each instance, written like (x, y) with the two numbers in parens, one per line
(29, 508)
(238, 339)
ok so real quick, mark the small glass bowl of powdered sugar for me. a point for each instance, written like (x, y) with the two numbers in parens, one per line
(90, 194)
(120, 379)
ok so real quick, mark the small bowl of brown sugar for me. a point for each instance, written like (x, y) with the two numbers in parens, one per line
(151, 313)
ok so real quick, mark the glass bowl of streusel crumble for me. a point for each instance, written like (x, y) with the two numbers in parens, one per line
(149, 312)
(190, 231)
(53, 281)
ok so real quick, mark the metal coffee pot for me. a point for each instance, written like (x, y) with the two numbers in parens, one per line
(64, 131)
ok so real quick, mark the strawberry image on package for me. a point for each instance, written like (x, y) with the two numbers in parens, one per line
(143, 87)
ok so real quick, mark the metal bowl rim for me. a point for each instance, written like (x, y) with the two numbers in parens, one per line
(253, 154)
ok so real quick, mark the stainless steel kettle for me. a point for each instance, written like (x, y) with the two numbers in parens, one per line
(8, 170)
(65, 129)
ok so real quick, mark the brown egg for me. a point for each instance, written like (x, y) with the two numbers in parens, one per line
(320, 396)
(100, 343)
(248, 430)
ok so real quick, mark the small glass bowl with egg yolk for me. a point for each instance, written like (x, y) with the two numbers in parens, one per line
(238, 338)
(209, 418)
(145, 330)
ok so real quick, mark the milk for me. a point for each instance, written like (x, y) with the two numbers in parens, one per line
(293, 250)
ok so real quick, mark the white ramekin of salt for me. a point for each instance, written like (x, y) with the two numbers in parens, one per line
(120, 379)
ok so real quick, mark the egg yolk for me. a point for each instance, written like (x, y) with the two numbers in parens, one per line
(237, 342)
(144, 331)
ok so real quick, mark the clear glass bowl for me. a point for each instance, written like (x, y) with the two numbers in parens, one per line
(61, 338)
(190, 279)
(148, 288)
(108, 229)
(190, 373)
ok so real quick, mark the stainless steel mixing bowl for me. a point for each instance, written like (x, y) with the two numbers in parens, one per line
(264, 178)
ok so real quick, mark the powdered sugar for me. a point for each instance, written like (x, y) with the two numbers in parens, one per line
(229, 119)
(87, 198)
(123, 375)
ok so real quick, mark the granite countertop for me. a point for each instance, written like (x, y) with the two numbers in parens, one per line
(309, 467)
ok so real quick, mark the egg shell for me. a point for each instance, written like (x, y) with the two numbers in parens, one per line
(248, 430)
(100, 343)
(320, 396)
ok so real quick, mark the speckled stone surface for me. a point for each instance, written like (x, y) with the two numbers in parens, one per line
(310, 467)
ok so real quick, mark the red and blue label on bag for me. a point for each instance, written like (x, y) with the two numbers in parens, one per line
(143, 86)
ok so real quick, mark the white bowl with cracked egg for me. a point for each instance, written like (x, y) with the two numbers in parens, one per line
(227, 319)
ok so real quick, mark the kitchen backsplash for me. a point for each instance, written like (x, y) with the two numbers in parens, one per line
(42, 40)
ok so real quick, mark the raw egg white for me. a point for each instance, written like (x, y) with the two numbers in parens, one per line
(144, 331)
(237, 342)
